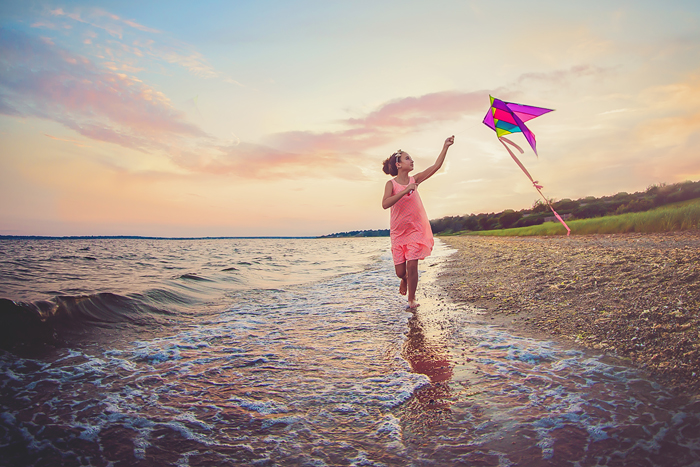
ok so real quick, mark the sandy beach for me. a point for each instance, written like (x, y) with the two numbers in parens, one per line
(635, 296)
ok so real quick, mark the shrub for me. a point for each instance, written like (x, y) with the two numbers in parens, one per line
(636, 205)
(530, 220)
(508, 218)
(566, 206)
(590, 210)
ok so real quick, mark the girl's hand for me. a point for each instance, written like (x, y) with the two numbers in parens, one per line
(411, 187)
(430, 171)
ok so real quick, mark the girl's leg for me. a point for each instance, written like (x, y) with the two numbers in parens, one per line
(412, 281)
(401, 272)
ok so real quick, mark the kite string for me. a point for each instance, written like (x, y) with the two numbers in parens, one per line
(465, 129)
(534, 182)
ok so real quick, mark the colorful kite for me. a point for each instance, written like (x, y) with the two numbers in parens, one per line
(507, 117)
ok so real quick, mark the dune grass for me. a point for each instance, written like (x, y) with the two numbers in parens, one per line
(672, 217)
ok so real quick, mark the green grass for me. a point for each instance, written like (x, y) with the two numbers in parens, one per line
(678, 216)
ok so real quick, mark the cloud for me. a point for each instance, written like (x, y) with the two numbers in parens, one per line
(8, 109)
(616, 111)
(233, 81)
(43, 80)
(139, 46)
(80, 144)
(563, 77)
(411, 113)
(331, 144)
(387, 122)
(105, 20)
(140, 27)
(48, 25)
(246, 160)
(112, 29)
(191, 60)
(303, 153)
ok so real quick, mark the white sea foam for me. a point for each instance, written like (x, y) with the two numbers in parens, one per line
(391, 426)
(261, 407)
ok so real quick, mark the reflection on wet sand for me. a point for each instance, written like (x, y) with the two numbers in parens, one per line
(496, 398)
(427, 353)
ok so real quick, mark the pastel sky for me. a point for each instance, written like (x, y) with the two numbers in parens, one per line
(240, 118)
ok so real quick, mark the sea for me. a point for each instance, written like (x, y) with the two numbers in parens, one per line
(299, 352)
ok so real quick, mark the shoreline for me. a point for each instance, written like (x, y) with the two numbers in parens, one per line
(632, 296)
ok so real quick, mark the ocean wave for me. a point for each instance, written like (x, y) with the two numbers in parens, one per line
(58, 288)
(28, 325)
(195, 277)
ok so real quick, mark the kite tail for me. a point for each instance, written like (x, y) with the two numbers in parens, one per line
(534, 182)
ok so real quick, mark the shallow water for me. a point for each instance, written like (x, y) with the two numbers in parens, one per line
(299, 352)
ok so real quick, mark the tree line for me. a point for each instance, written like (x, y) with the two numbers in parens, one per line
(359, 233)
(583, 208)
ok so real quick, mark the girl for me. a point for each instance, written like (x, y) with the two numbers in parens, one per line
(411, 235)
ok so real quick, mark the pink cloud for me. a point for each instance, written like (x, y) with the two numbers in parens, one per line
(303, 153)
(46, 81)
(350, 141)
(166, 50)
(111, 28)
(44, 25)
(43, 80)
(384, 124)
(245, 160)
(415, 112)
(138, 26)
(80, 144)
(393, 118)
(253, 161)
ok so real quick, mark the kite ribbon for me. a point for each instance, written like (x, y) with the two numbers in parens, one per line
(503, 141)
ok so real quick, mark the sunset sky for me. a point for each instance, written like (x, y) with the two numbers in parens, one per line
(240, 118)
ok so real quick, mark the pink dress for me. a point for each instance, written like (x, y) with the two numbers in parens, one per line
(410, 228)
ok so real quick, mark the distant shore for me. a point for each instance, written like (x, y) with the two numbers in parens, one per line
(636, 296)
(134, 237)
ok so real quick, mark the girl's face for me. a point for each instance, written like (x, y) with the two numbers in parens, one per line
(405, 161)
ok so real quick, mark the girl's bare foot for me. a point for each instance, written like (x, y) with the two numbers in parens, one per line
(413, 304)
(402, 287)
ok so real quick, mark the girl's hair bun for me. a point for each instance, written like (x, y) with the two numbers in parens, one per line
(389, 165)
(386, 166)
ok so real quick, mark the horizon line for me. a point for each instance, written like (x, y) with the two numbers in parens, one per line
(141, 237)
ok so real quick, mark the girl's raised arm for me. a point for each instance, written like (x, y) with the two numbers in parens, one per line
(430, 171)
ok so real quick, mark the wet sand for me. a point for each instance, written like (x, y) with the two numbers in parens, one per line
(503, 395)
(635, 296)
